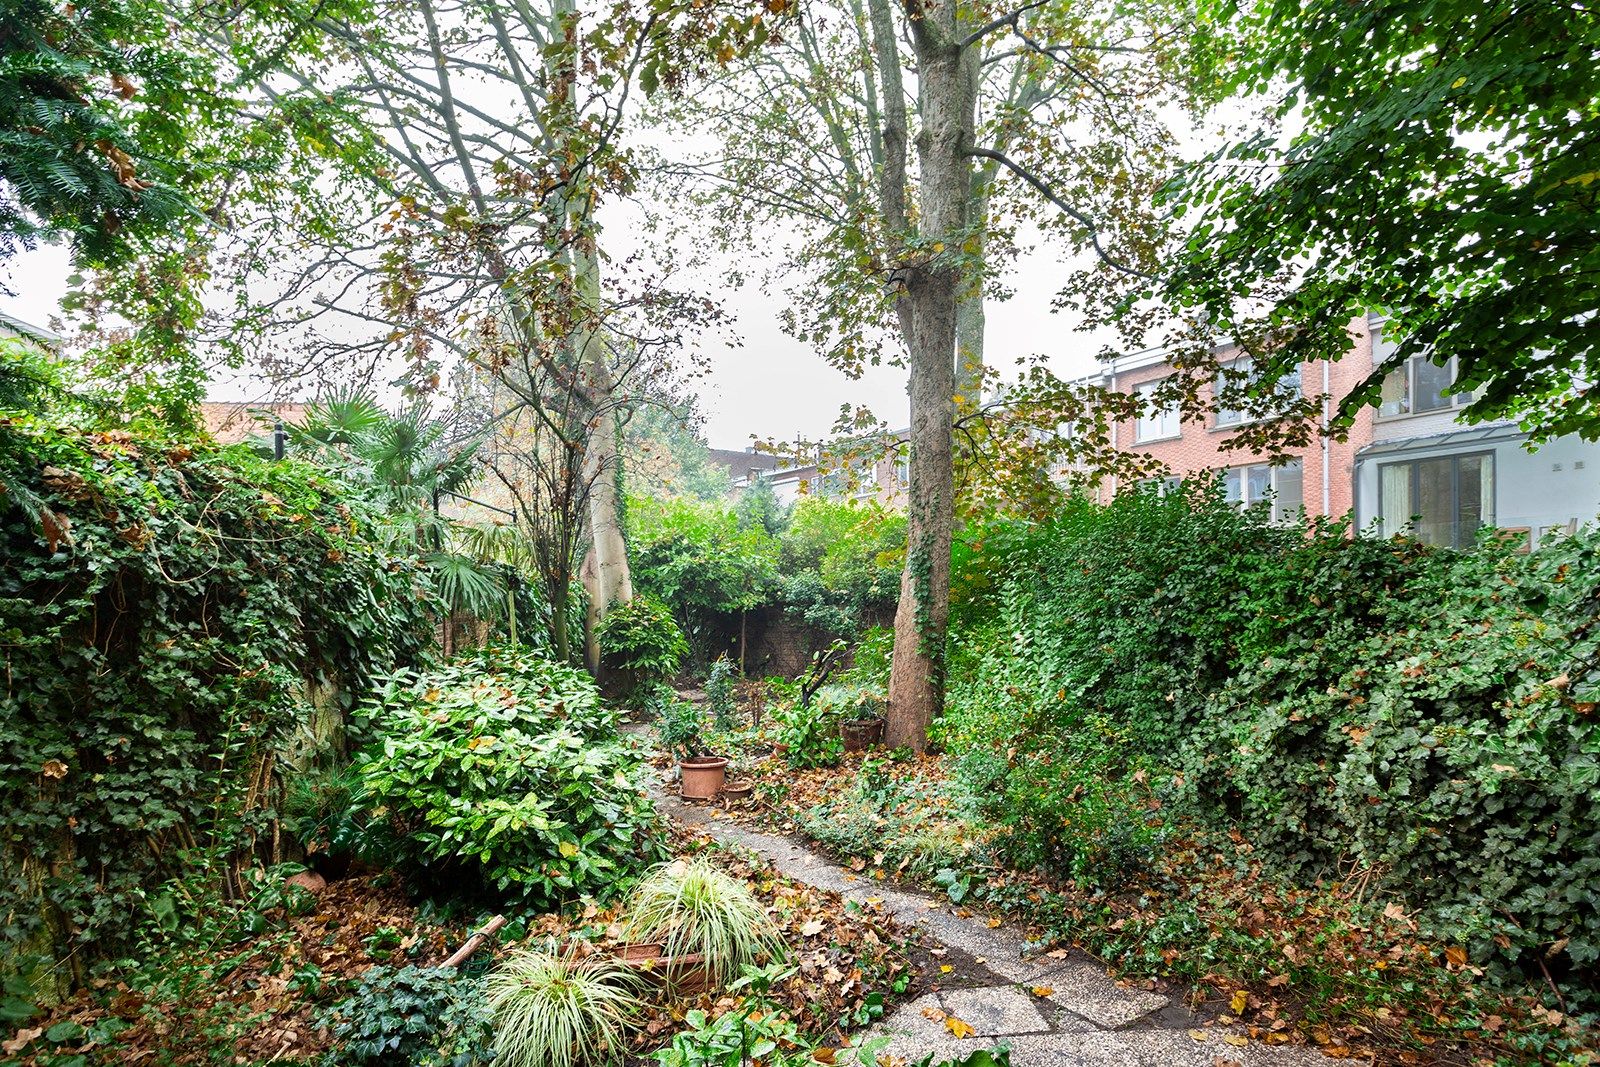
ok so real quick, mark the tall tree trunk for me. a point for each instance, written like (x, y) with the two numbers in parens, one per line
(947, 77)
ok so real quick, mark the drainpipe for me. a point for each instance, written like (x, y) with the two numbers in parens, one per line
(1327, 419)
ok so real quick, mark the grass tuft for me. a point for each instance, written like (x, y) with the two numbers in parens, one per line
(556, 1011)
(690, 907)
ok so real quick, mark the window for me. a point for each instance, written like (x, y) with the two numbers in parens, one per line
(1154, 423)
(1443, 500)
(1172, 483)
(1420, 386)
(1259, 483)
(1288, 387)
(902, 467)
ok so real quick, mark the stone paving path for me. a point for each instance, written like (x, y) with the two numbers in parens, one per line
(1086, 1020)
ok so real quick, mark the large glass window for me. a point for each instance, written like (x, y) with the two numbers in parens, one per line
(1420, 386)
(1154, 423)
(1444, 500)
(1241, 375)
(1259, 483)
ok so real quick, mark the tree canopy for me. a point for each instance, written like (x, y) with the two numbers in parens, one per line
(1443, 173)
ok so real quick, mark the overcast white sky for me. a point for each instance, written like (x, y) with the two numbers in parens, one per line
(772, 386)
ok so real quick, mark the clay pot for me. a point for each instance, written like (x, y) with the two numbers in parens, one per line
(703, 776)
(683, 974)
(860, 733)
(737, 791)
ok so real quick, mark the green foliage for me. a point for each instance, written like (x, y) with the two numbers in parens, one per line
(641, 638)
(411, 1017)
(163, 606)
(506, 770)
(1423, 716)
(692, 908)
(720, 694)
(680, 726)
(811, 732)
(1480, 221)
(841, 560)
(700, 559)
(556, 1010)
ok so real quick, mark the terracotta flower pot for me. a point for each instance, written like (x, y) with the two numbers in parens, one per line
(737, 791)
(860, 733)
(684, 974)
(703, 776)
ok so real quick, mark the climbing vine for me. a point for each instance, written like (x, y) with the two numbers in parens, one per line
(169, 612)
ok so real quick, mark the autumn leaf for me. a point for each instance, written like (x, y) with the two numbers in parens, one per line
(1042, 990)
(1456, 956)
(1240, 1000)
(53, 769)
(957, 1027)
(1198, 1035)
(994, 924)
(812, 928)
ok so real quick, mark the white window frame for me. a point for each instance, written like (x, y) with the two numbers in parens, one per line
(1283, 511)
(1227, 418)
(1157, 419)
(1453, 402)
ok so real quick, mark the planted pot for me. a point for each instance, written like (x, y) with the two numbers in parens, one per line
(702, 777)
(684, 974)
(860, 733)
(736, 791)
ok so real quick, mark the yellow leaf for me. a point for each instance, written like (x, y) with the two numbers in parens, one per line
(1042, 990)
(1458, 83)
(945, 968)
(568, 849)
(1198, 1035)
(1236, 1039)
(1240, 1000)
(994, 924)
(957, 1027)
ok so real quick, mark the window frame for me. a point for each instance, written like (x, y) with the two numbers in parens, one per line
(1273, 471)
(1175, 411)
(1245, 418)
(1454, 402)
(1413, 488)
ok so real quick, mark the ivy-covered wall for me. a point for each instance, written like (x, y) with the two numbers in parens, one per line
(167, 610)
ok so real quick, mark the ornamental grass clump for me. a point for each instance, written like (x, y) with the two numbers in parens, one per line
(551, 1010)
(692, 908)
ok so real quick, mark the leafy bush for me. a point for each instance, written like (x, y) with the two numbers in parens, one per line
(680, 726)
(640, 637)
(166, 607)
(811, 733)
(720, 694)
(411, 1017)
(555, 1010)
(692, 908)
(1422, 717)
(506, 769)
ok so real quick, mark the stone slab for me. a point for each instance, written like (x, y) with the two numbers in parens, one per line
(1083, 987)
(995, 1011)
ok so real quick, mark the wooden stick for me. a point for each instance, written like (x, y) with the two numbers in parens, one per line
(473, 943)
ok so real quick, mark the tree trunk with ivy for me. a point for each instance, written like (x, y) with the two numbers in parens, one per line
(934, 285)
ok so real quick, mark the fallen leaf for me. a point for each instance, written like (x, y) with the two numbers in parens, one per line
(1042, 990)
(1240, 1000)
(1198, 1035)
(994, 924)
(812, 928)
(1236, 1039)
(957, 1027)
(1456, 956)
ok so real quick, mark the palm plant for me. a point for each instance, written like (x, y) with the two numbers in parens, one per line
(405, 462)
(552, 1010)
(692, 908)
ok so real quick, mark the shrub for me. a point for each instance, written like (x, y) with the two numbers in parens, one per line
(691, 907)
(1422, 717)
(506, 769)
(811, 734)
(641, 638)
(555, 1010)
(411, 1017)
(680, 725)
(720, 694)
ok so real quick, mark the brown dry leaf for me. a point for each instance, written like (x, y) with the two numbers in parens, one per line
(812, 928)
(933, 1013)
(1456, 956)
(1057, 953)
(956, 1026)
(994, 924)
(822, 1054)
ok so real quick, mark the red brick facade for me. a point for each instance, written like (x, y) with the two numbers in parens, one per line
(1327, 467)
